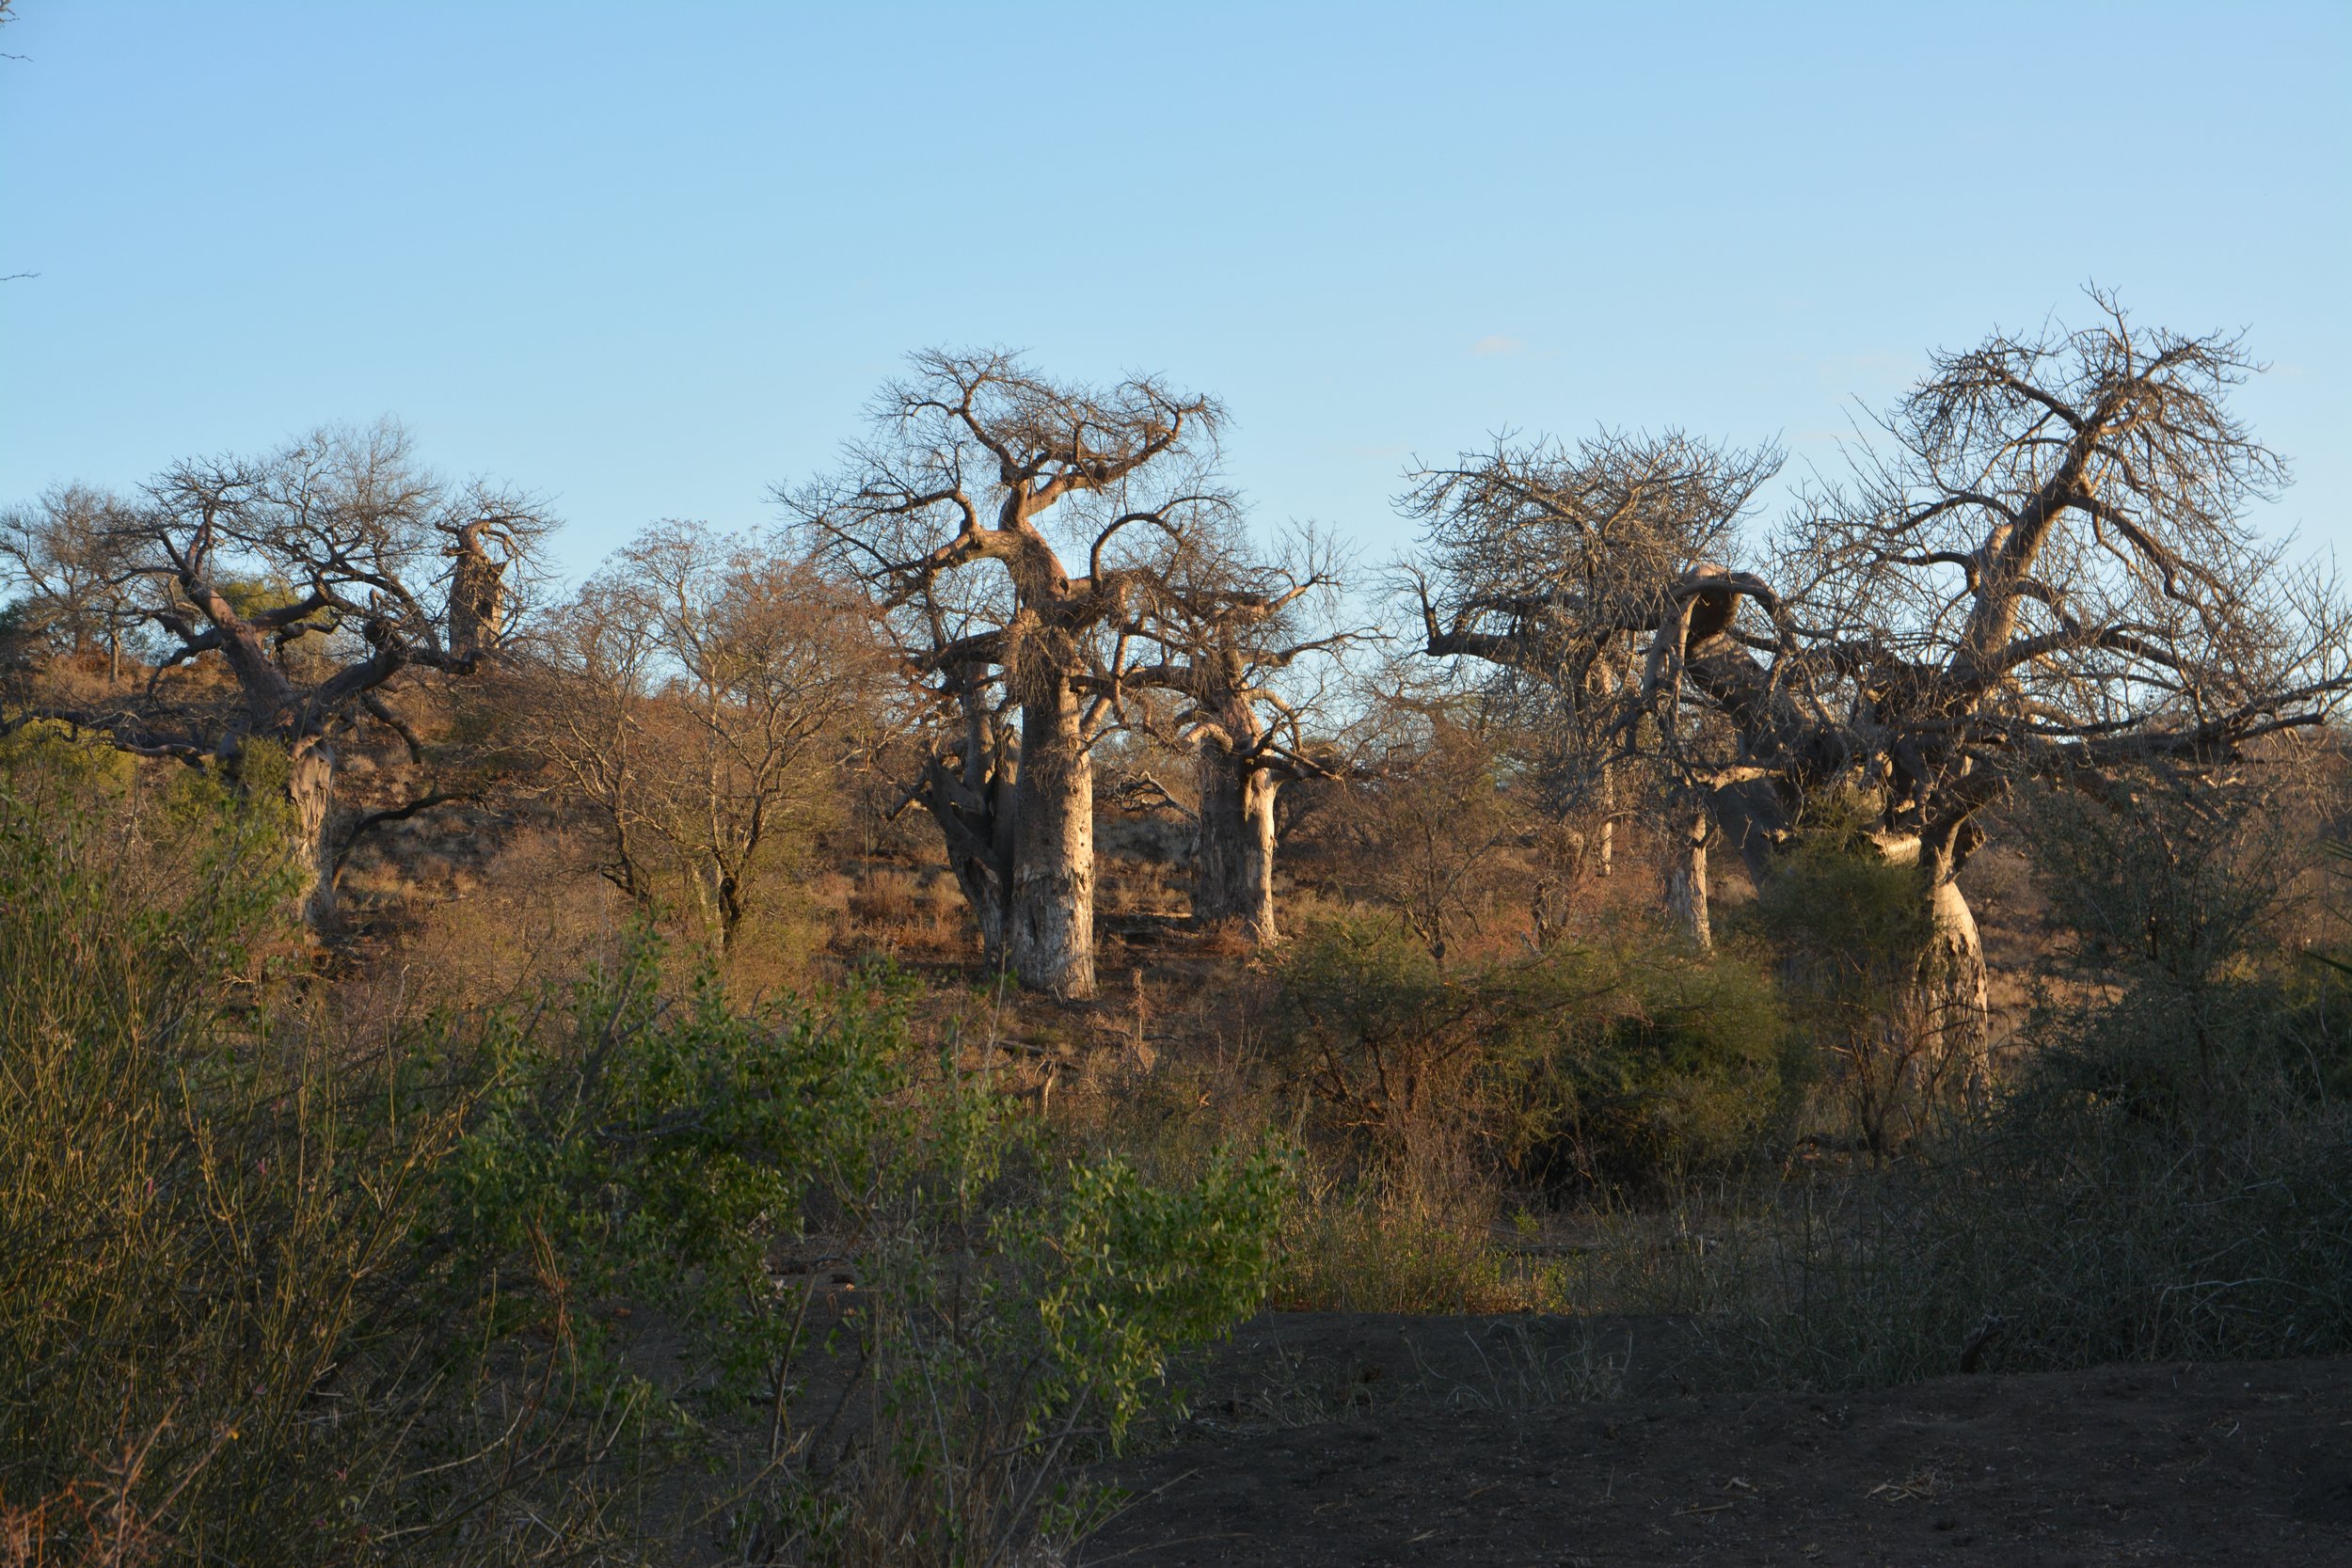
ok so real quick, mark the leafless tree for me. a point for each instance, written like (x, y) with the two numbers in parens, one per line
(705, 695)
(979, 466)
(1429, 827)
(68, 557)
(1244, 648)
(352, 532)
(1552, 564)
(2041, 565)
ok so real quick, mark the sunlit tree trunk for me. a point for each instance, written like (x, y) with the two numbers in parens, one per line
(1686, 877)
(1952, 995)
(1050, 939)
(310, 789)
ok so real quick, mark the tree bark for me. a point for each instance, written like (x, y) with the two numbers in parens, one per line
(1950, 988)
(973, 802)
(1050, 941)
(1233, 866)
(1686, 877)
(979, 848)
(311, 788)
(477, 597)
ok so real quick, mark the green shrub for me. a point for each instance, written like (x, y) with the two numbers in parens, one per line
(1585, 1065)
(510, 1290)
(197, 1244)
(1846, 927)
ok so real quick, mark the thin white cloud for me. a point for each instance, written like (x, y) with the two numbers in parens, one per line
(1498, 344)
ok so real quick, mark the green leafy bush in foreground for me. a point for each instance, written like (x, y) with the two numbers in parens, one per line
(517, 1289)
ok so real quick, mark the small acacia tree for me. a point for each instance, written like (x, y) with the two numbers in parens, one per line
(363, 546)
(702, 696)
(979, 467)
(67, 559)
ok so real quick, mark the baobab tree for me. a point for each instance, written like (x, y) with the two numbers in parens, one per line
(966, 734)
(358, 546)
(2041, 565)
(1552, 564)
(1231, 640)
(980, 467)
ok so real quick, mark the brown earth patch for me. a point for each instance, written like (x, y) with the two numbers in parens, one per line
(2199, 1464)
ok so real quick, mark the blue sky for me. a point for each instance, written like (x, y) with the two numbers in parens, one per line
(650, 260)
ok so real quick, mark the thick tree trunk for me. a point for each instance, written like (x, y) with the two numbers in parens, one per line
(1685, 878)
(1050, 940)
(311, 786)
(974, 805)
(1232, 869)
(477, 597)
(1951, 993)
(986, 877)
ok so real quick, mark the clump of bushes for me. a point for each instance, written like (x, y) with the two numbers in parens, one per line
(2165, 1172)
(516, 1288)
(1589, 1065)
(1847, 926)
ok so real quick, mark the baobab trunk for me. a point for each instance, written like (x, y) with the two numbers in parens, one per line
(310, 789)
(981, 854)
(973, 803)
(1951, 993)
(477, 597)
(1050, 940)
(1685, 878)
(1948, 999)
(1233, 865)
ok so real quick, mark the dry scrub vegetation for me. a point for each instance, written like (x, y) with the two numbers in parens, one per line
(786, 1050)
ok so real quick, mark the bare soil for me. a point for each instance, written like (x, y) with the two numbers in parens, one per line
(1325, 1440)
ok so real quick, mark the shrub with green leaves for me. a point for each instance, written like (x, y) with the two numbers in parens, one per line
(1847, 926)
(520, 1288)
(1590, 1063)
(199, 1226)
(1005, 1309)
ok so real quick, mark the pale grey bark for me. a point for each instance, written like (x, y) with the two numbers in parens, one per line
(979, 462)
(1953, 995)
(310, 789)
(1050, 917)
(477, 592)
(1233, 861)
(1686, 877)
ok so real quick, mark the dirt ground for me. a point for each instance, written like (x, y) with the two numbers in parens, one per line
(1322, 1441)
